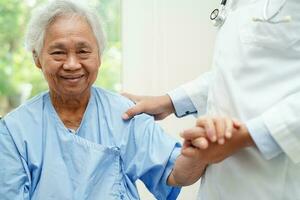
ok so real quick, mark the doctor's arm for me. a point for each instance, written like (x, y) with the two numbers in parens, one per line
(14, 183)
(276, 130)
(187, 99)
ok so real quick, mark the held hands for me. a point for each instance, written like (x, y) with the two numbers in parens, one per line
(158, 106)
(214, 139)
(210, 129)
(211, 141)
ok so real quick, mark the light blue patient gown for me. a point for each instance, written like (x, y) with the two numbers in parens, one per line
(41, 159)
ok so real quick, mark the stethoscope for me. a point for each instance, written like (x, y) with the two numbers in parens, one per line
(218, 16)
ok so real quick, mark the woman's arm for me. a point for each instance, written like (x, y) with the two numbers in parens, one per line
(14, 182)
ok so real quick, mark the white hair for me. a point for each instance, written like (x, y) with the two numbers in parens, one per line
(44, 15)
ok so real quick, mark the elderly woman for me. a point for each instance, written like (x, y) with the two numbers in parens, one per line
(71, 142)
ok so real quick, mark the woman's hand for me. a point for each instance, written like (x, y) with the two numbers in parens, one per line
(188, 168)
(211, 129)
(158, 106)
(214, 152)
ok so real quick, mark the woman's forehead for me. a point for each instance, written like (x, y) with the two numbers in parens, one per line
(69, 22)
(65, 27)
(63, 44)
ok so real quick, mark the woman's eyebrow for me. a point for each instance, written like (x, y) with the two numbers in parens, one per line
(83, 45)
(57, 46)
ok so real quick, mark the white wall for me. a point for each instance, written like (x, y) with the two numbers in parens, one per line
(166, 43)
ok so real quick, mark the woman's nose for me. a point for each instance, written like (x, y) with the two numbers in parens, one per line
(72, 63)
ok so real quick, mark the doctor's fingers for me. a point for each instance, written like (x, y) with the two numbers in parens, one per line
(158, 106)
(134, 110)
(229, 127)
(132, 97)
(201, 143)
(236, 123)
(220, 129)
(208, 124)
(193, 133)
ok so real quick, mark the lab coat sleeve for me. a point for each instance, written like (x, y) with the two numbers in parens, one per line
(263, 138)
(195, 91)
(151, 157)
(14, 183)
(182, 103)
(283, 122)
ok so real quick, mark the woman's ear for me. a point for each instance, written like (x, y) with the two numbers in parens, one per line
(36, 59)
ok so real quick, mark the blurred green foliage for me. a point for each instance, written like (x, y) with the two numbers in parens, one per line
(16, 64)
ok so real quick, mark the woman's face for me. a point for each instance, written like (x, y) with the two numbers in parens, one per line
(69, 58)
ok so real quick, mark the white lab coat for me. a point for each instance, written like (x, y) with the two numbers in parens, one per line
(256, 75)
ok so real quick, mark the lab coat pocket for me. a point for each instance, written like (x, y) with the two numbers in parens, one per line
(268, 35)
(278, 34)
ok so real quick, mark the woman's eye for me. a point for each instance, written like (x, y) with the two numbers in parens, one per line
(83, 52)
(57, 53)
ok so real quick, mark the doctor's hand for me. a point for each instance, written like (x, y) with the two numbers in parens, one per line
(192, 162)
(158, 106)
(217, 129)
(215, 153)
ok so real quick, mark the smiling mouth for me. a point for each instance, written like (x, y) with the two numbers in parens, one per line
(72, 78)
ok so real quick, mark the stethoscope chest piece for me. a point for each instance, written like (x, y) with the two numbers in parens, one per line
(218, 16)
(214, 14)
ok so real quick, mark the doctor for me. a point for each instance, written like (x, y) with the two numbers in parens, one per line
(256, 80)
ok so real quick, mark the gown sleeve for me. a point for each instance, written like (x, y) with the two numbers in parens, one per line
(14, 182)
(150, 156)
